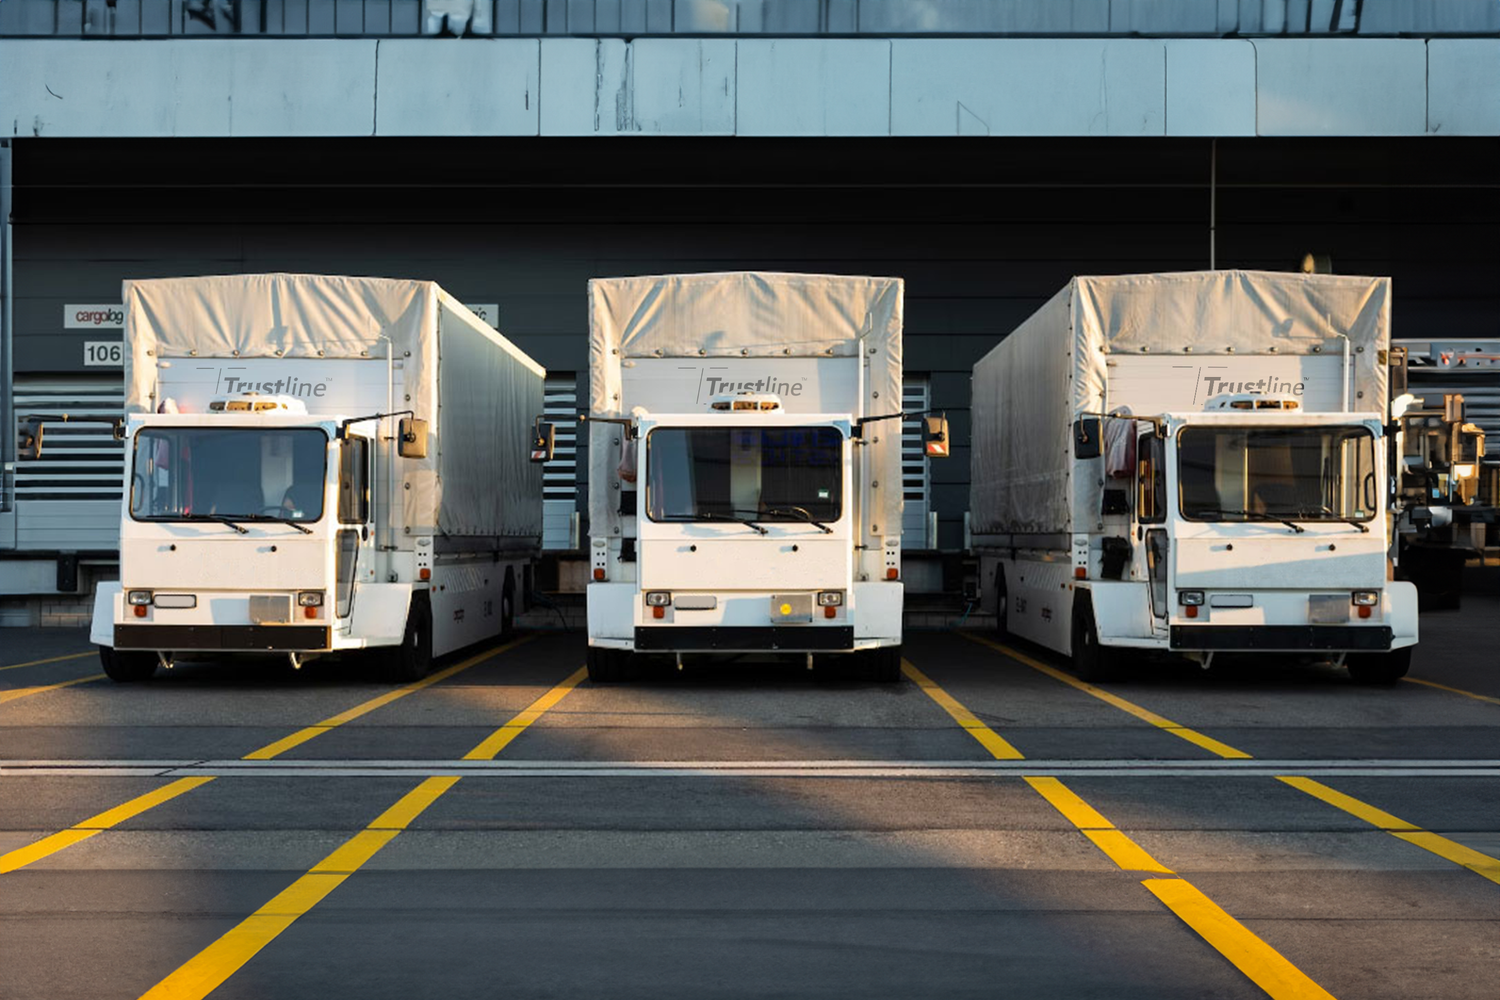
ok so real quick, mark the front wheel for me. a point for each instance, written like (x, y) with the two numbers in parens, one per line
(412, 660)
(1379, 668)
(128, 666)
(1091, 661)
(607, 665)
(883, 665)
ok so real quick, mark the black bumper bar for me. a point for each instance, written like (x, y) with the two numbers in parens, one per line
(1283, 638)
(738, 638)
(227, 638)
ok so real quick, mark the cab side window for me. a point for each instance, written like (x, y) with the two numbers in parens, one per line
(1151, 481)
(354, 481)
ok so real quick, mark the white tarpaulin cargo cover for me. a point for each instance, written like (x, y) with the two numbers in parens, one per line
(742, 314)
(478, 390)
(1029, 389)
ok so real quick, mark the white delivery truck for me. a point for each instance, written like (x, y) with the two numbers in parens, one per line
(745, 468)
(1193, 463)
(314, 465)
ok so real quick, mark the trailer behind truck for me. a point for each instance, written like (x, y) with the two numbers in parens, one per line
(1194, 464)
(317, 465)
(745, 480)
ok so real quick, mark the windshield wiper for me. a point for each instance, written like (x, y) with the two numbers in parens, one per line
(711, 516)
(1327, 514)
(805, 514)
(281, 520)
(1255, 515)
(220, 518)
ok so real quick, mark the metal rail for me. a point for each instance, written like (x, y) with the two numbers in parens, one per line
(775, 18)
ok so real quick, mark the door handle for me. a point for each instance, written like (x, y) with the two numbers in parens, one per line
(364, 532)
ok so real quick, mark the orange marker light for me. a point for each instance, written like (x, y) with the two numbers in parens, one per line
(1364, 611)
(309, 612)
(424, 573)
(1191, 611)
(598, 572)
(140, 610)
(1080, 573)
(829, 611)
(891, 573)
(658, 612)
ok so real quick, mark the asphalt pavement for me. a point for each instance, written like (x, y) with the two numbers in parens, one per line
(989, 826)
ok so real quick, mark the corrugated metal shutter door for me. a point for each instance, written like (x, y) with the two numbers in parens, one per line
(560, 476)
(915, 470)
(69, 499)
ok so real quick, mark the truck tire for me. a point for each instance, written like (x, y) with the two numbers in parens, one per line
(127, 667)
(1379, 668)
(508, 608)
(883, 665)
(1091, 661)
(1002, 606)
(412, 660)
(606, 666)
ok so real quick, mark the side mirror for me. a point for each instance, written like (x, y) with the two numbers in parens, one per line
(1087, 442)
(30, 448)
(935, 436)
(1468, 445)
(411, 438)
(542, 441)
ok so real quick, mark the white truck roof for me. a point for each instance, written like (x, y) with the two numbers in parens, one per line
(1058, 363)
(745, 315)
(477, 389)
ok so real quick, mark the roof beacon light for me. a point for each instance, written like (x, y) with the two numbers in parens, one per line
(745, 401)
(254, 402)
(1250, 401)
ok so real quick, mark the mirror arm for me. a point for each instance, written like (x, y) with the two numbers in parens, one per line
(625, 422)
(343, 431)
(898, 415)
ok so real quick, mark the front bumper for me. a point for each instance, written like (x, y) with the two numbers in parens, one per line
(224, 638)
(745, 638)
(1282, 638)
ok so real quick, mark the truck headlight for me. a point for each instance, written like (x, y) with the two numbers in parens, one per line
(830, 598)
(658, 598)
(139, 597)
(1366, 598)
(310, 598)
(1190, 598)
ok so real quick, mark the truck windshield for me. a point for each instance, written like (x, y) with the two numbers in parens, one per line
(1294, 473)
(242, 473)
(764, 473)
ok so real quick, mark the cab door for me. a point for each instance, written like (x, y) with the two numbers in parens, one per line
(355, 540)
(1153, 551)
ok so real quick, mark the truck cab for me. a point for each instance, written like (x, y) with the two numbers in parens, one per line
(745, 539)
(245, 529)
(1256, 528)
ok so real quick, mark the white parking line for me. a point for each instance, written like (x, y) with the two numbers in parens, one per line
(755, 769)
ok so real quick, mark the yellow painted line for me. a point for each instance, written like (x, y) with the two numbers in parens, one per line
(207, 970)
(300, 737)
(1264, 965)
(1350, 805)
(987, 737)
(1454, 690)
(1161, 722)
(50, 659)
(12, 695)
(21, 857)
(1126, 853)
(1074, 809)
(1471, 859)
(491, 746)
(1450, 850)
